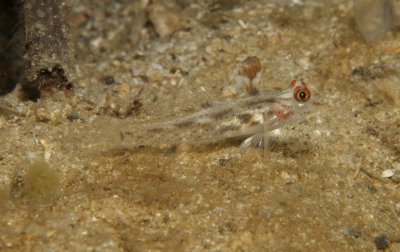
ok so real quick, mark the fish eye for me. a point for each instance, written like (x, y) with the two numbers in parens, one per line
(302, 94)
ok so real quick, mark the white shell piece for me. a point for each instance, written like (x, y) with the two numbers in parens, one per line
(387, 173)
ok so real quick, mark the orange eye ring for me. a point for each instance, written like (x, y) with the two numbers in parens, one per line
(301, 94)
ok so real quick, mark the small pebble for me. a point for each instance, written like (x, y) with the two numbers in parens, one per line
(349, 231)
(397, 208)
(165, 20)
(382, 242)
(108, 80)
(374, 18)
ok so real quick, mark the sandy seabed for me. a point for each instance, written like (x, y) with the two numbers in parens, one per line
(329, 183)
